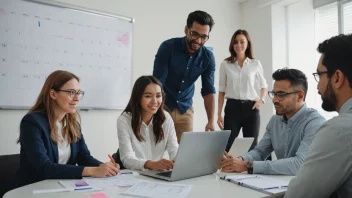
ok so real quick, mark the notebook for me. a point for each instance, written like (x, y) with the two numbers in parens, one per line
(260, 183)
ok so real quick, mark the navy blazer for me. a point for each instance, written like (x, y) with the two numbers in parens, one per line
(39, 153)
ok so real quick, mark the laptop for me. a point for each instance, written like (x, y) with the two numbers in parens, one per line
(240, 146)
(199, 154)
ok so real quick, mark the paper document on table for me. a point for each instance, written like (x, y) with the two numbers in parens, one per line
(121, 181)
(112, 181)
(260, 183)
(152, 190)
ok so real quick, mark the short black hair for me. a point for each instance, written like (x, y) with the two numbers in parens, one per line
(338, 55)
(200, 17)
(295, 76)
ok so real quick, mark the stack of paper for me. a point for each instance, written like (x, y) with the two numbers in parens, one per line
(152, 189)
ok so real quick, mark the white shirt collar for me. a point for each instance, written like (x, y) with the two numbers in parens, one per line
(246, 61)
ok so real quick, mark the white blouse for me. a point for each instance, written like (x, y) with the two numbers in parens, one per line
(64, 148)
(134, 153)
(241, 83)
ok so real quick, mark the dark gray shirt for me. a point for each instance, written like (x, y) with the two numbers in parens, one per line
(289, 139)
(327, 171)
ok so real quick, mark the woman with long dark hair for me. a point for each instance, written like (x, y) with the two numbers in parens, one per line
(145, 130)
(240, 76)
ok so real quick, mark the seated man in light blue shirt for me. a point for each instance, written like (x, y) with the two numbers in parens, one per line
(327, 171)
(289, 133)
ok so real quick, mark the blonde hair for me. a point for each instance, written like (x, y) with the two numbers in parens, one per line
(45, 104)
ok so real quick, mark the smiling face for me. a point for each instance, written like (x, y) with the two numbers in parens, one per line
(240, 44)
(287, 105)
(64, 102)
(151, 99)
(196, 30)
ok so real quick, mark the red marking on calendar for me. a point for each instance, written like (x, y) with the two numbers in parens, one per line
(2, 11)
(124, 39)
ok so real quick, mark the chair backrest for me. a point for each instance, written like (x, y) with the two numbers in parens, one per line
(117, 159)
(8, 168)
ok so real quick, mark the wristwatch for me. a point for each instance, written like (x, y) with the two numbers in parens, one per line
(250, 167)
(262, 100)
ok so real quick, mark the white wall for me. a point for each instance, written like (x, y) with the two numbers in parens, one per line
(279, 37)
(257, 21)
(301, 43)
(156, 20)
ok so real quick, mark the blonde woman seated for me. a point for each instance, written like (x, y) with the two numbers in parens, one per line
(145, 130)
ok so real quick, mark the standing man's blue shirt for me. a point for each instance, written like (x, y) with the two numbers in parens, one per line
(178, 70)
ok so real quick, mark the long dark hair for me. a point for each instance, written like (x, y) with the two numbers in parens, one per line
(134, 107)
(249, 50)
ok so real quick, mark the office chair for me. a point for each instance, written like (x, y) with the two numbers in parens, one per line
(117, 159)
(8, 168)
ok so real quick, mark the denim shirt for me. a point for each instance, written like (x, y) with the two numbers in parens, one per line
(178, 70)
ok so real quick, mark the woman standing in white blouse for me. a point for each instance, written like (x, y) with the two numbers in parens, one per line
(240, 77)
(145, 130)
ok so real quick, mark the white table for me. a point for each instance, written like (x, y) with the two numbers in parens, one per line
(205, 186)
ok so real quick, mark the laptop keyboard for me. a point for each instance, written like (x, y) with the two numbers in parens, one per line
(165, 174)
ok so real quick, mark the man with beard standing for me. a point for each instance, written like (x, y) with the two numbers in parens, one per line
(289, 133)
(327, 171)
(178, 64)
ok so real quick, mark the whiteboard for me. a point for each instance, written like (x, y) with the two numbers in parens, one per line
(37, 39)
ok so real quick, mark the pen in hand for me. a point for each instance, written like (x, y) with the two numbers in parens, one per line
(111, 159)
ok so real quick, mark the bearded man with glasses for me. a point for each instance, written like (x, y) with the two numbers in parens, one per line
(178, 64)
(327, 171)
(289, 133)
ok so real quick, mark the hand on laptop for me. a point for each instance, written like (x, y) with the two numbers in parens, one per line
(233, 165)
(160, 165)
(226, 156)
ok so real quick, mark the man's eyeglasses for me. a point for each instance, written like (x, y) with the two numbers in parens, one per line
(72, 93)
(196, 35)
(317, 75)
(280, 95)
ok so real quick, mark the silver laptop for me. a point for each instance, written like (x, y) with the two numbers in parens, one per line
(240, 146)
(199, 154)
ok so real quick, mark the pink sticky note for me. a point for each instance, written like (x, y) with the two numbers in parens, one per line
(98, 195)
